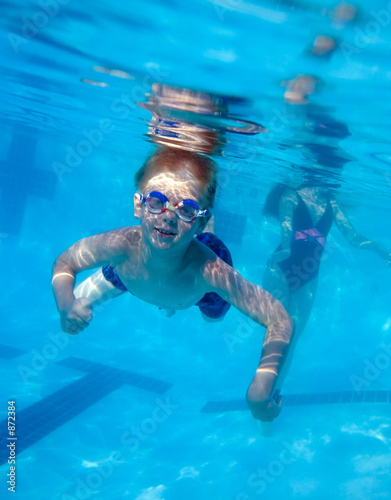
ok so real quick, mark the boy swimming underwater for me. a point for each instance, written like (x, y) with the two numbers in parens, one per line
(163, 263)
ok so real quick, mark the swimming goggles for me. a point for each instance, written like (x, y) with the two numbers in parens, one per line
(187, 210)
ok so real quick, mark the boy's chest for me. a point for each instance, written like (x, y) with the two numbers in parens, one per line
(177, 291)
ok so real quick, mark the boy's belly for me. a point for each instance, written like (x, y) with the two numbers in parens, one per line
(165, 301)
(179, 295)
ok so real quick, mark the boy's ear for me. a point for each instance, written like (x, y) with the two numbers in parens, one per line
(205, 223)
(137, 205)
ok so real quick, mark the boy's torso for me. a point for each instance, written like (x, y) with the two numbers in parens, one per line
(178, 289)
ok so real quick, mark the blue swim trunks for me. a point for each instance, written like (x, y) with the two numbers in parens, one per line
(211, 304)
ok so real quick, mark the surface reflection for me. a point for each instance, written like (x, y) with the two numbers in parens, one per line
(193, 120)
(317, 134)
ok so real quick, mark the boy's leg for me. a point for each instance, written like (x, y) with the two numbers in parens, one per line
(96, 289)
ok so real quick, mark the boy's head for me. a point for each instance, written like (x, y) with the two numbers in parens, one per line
(201, 169)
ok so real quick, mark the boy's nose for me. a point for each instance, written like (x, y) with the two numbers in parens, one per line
(169, 216)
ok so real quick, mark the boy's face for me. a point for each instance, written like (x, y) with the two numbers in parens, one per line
(165, 230)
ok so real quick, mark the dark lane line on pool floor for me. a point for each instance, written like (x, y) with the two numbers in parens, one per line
(381, 396)
(45, 416)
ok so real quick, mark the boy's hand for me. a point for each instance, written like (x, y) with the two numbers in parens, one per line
(265, 410)
(261, 403)
(77, 316)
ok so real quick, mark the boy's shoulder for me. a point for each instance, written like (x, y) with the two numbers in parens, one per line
(201, 254)
(131, 233)
(211, 268)
(124, 237)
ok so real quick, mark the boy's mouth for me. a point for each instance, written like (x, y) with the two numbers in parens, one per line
(165, 233)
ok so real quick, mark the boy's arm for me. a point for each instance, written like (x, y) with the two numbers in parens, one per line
(88, 253)
(265, 310)
(353, 237)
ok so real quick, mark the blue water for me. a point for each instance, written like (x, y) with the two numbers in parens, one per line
(109, 438)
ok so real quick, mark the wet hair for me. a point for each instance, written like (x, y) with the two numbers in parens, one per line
(174, 160)
(272, 203)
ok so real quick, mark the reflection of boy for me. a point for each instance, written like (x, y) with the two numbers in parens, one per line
(163, 263)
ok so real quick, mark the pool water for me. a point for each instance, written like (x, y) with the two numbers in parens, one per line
(146, 407)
